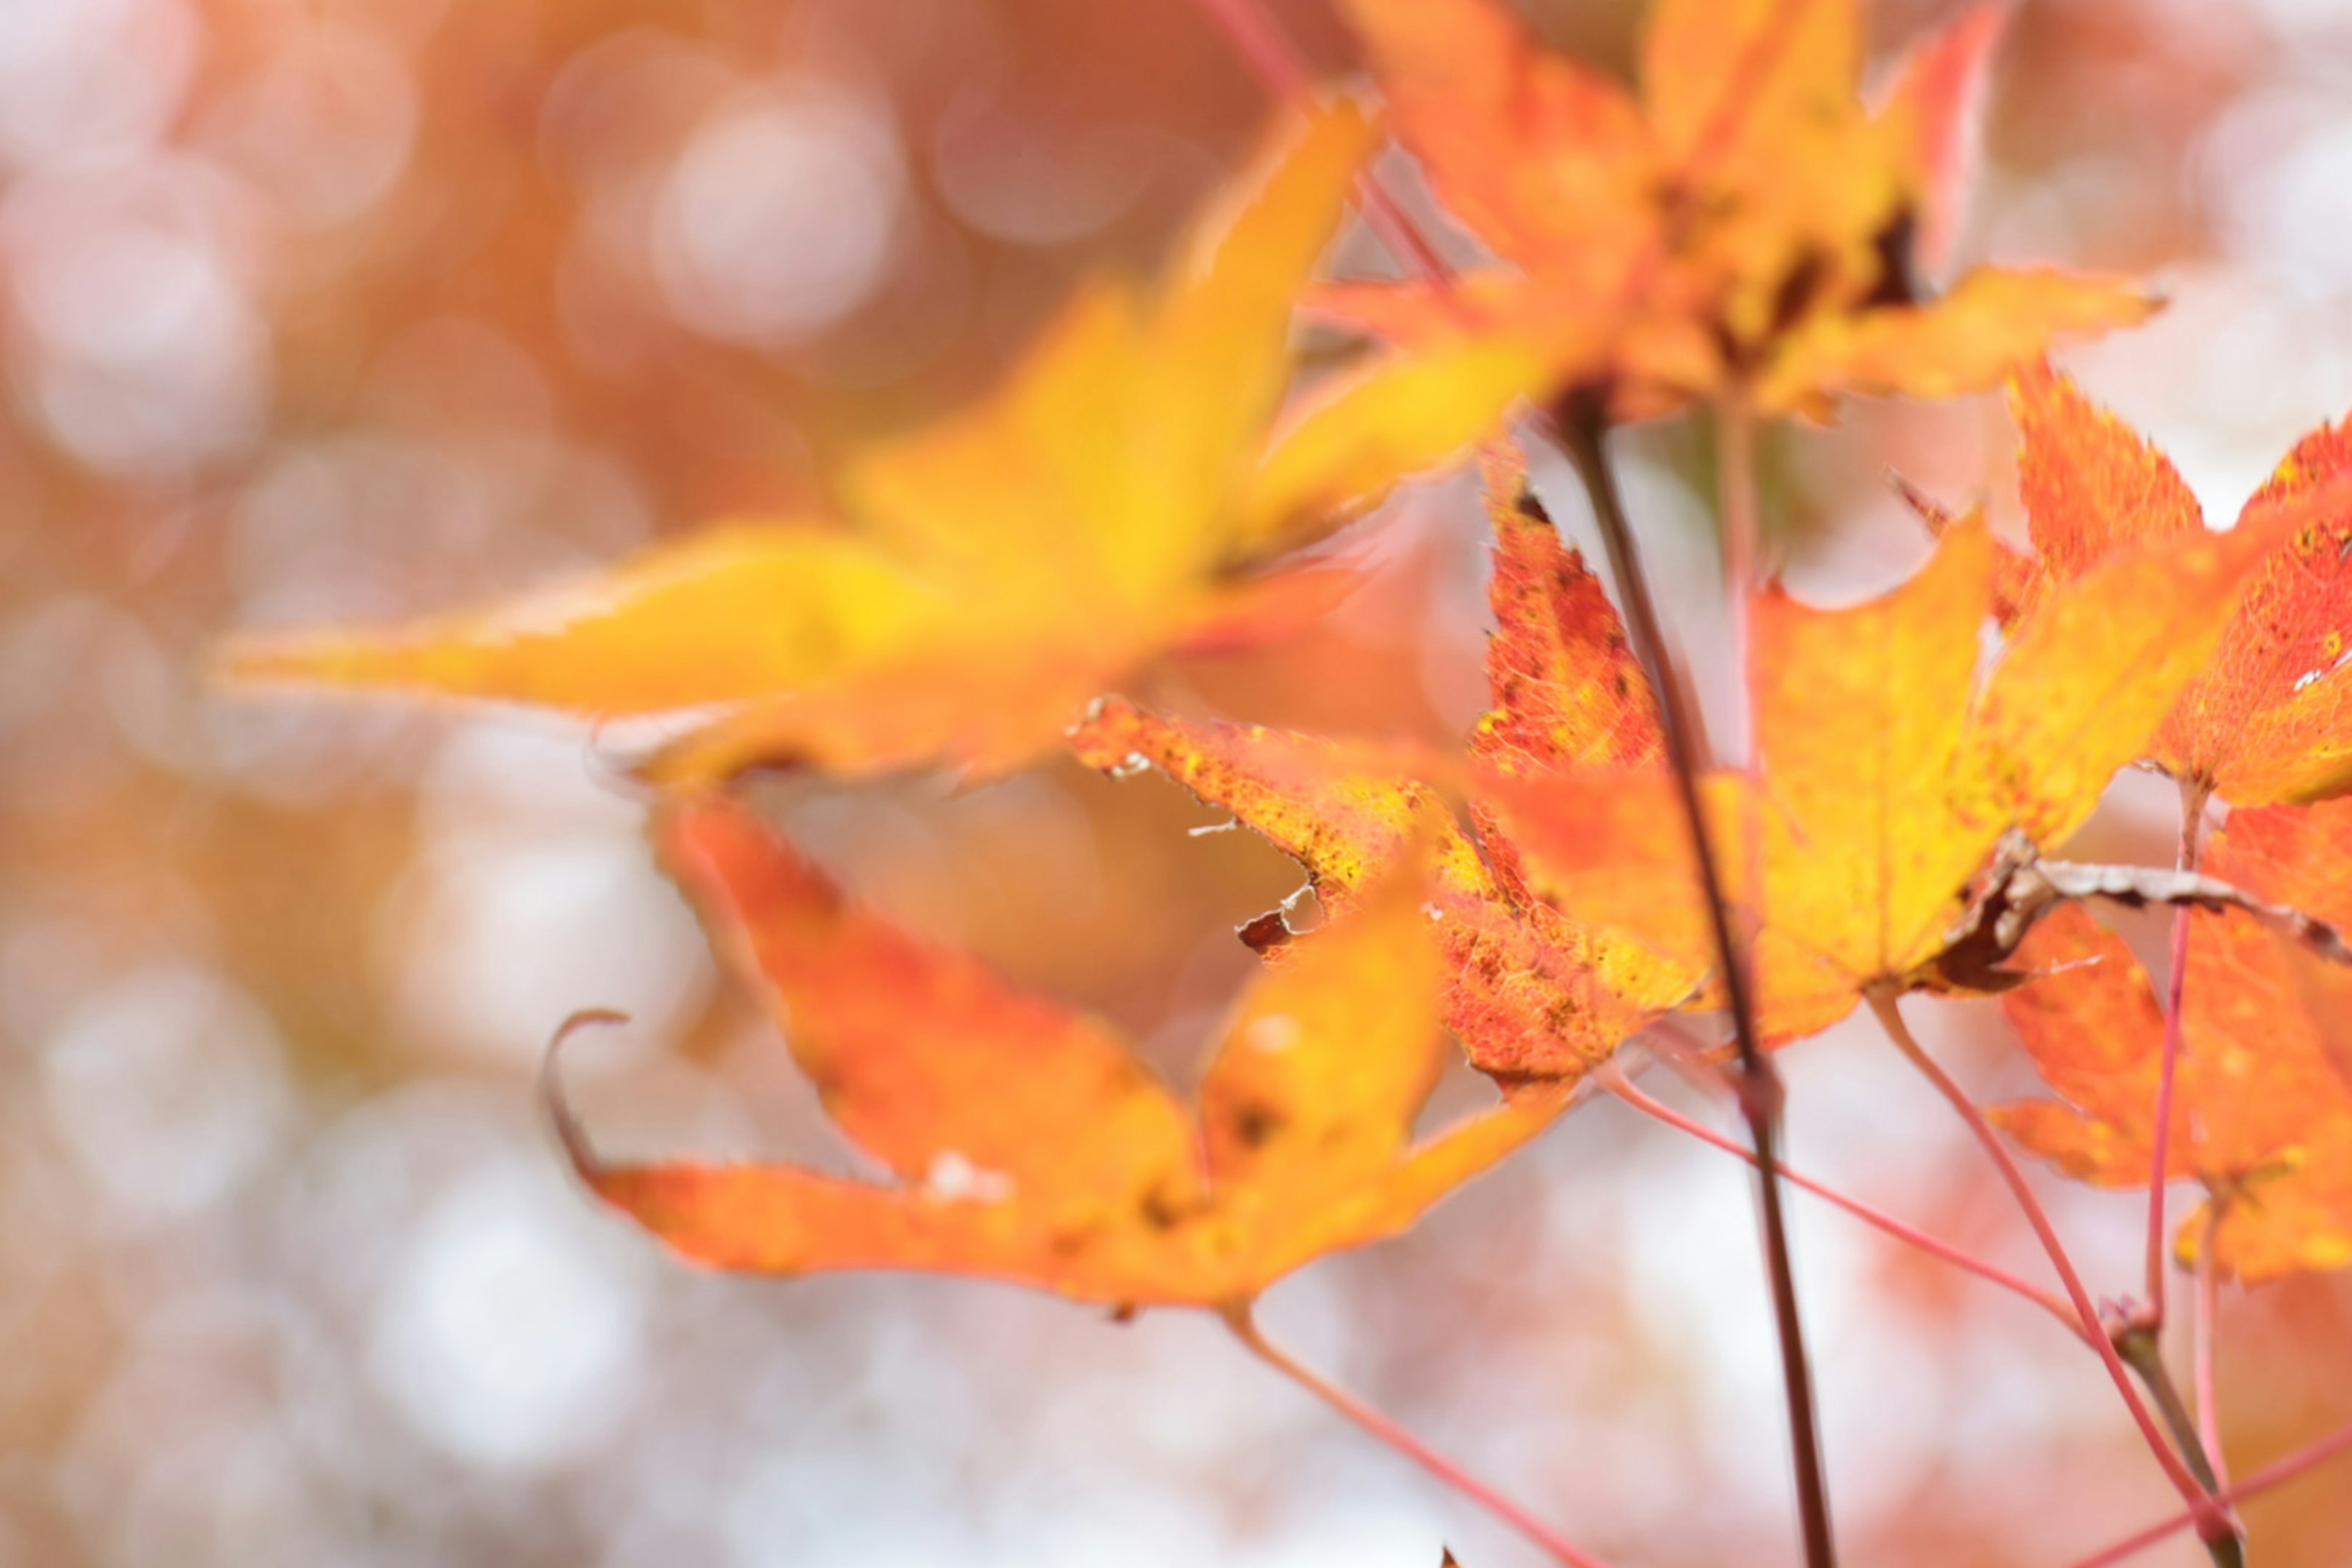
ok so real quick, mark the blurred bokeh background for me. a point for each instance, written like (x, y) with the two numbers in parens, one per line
(331, 308)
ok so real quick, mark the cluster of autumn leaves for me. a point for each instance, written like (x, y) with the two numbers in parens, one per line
(1747, 232)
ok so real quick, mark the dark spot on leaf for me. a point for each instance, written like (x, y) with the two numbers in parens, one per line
(1896, 285)
(1256, 1125)
(1267, 932)
(1160, 1211)
(1798, 290)
(1727, 348)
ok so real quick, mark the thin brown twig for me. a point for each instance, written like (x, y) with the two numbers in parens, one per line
(1238, 1318)
(1579, 427)
(2333, 1446)
(1624, 1087)
(2144, 1353)
(2212, 1522)
(2193, 812)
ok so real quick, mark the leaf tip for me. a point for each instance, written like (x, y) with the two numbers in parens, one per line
(247, 659)
(569, 1133)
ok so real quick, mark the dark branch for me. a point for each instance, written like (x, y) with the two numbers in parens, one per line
(1580, 430)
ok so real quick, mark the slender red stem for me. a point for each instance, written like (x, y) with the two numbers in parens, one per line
(2332, 1447)
(1274, 59)
(1881, 1003)
(1262, 46)
(2192, 811)
(1245, 1327)
(2167, 1072)
(1670, 1041)
(2201, 1341)
(1616, 1083)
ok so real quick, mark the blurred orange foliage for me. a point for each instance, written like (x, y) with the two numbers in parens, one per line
(338, 314)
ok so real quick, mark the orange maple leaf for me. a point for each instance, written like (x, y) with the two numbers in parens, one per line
(1890, 768)
(1748, 224)
(1108, 502)
(2272, 720)
(1531, 995)
(1026, 1142)
(2259, 1115)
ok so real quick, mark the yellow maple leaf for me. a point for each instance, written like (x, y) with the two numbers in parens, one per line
(1109, 501)
(2271, 720)
(1748, 223)
(1889, 769)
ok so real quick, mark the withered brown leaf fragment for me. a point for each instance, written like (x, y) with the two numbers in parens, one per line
(2019, 886)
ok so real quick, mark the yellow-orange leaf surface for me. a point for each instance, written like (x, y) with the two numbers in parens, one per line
(993, 572)
(1748, 221)
(1531, 995)
(1888, 768)
(2272, 720)
(2259, 1115)
(1026, 1142)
